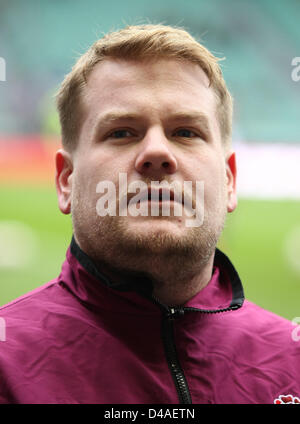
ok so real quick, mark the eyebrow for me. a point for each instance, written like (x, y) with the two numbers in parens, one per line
(189, 116)
(112, 117)
(193, 117)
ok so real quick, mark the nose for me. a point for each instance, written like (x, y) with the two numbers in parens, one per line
(155, 157)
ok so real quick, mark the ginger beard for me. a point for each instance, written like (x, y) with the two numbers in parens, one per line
(158, 249)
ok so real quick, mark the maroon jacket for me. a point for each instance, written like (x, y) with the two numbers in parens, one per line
(87, 338)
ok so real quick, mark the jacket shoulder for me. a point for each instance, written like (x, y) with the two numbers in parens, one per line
(26, 300)
(29, 310)
(267, 334)
(261, 317)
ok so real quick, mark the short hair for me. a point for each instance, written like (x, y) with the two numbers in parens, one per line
(140, 42)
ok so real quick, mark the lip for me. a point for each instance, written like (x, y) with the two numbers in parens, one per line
(153, 195)
(160, 195)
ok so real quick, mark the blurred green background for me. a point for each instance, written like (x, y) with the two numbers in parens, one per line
(40, 41)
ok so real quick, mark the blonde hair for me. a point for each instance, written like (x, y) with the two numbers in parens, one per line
(140, 42)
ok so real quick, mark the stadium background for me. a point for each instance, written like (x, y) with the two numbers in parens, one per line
(40, 41)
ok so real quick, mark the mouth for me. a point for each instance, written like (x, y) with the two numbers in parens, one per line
(159, 195)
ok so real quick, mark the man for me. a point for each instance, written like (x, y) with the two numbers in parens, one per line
(146, 309)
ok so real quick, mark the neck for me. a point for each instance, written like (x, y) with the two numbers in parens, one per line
(171, 286)
(174, 279)
(177, 290)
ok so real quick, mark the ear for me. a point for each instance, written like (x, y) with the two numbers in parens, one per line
(63, 180)
(231, 182)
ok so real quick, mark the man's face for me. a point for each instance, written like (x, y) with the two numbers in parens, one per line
(152, 121)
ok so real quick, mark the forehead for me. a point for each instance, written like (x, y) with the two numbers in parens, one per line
(169, 68)
(161, 86)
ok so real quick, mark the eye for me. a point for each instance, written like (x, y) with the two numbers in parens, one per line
(120, 134)
(185, 133)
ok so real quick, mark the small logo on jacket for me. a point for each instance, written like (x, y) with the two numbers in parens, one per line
(286, 399)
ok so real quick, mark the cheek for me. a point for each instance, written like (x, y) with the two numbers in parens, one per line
(105, 163)
(89, 169)
(209, 169)
(215, 185)
(84, 187)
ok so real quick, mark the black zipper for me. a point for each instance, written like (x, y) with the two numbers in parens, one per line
(169, 316)
(177, 373)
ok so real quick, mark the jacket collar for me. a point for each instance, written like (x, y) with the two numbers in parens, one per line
(98, 287)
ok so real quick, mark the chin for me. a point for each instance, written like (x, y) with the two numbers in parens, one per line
(158, 237)
(160, 222)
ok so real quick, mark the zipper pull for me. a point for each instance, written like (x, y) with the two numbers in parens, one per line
(174, 313)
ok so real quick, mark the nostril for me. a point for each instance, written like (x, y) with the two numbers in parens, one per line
(149, 164)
